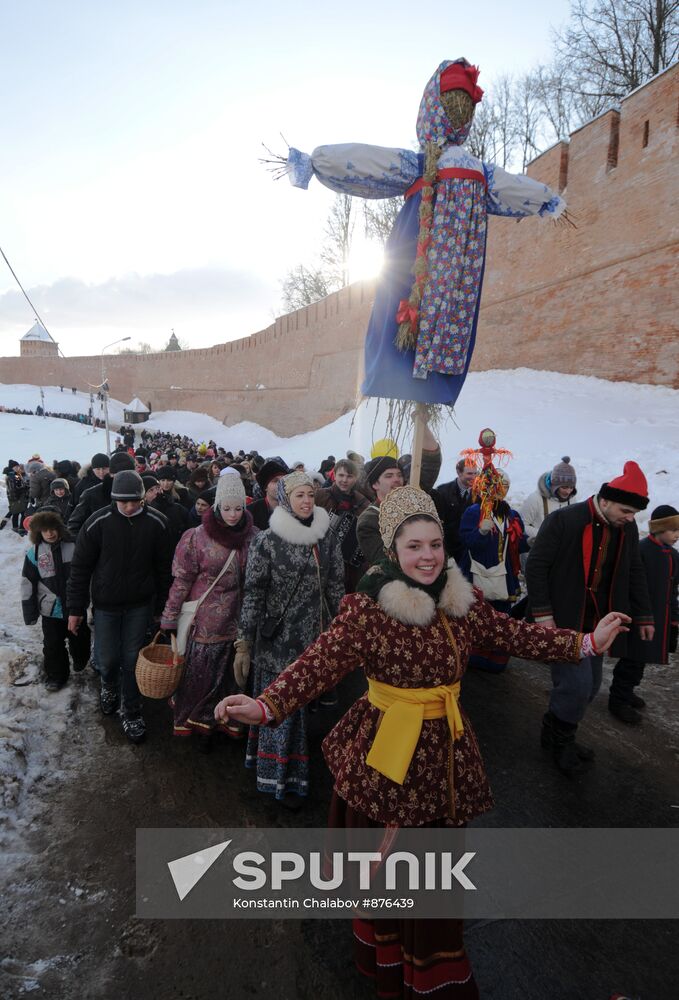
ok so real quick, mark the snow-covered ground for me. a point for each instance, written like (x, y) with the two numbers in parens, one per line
(539, 416)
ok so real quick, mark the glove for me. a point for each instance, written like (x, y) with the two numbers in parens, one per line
(241, 662)
(485, 526)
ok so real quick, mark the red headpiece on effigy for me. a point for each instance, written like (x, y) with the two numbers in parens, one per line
(457, 76)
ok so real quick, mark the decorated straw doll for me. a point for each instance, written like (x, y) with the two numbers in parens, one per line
(422, 330)
(493, 537)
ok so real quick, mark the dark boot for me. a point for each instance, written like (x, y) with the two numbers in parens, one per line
(550, 723)
(624, 712)
(636, 702)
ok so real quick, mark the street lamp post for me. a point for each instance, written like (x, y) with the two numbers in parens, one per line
(104, 389)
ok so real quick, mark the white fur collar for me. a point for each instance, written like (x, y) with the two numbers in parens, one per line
(413, 607)
(287, 527)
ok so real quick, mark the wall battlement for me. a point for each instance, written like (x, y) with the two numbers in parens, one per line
(598, 299)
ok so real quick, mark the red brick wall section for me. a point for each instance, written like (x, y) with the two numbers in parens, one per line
(599, 299)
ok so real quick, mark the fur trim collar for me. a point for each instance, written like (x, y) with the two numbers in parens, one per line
(413, 607)
(286, 526)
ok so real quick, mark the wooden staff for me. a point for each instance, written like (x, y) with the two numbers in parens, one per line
(419, 423)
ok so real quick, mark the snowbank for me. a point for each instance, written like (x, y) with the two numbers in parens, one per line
(539, 416)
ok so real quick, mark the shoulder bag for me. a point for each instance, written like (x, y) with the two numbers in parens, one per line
(189, 608)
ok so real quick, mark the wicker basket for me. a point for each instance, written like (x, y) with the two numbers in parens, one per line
(159, 669)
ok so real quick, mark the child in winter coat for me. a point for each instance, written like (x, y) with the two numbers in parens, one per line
(661, 562)
(60, 499)
(43, 594)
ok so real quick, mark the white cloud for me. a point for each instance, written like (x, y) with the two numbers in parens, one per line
(204, 305)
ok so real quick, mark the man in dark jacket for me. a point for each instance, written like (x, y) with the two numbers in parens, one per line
(168, 504)
(584, 563)
(122, 555)
(661, 563)
(452, 500)
(383, 474)
(268, 478)
(98, 496)
(345, 504)
(97, 472)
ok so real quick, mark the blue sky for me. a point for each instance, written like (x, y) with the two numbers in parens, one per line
(131, 199)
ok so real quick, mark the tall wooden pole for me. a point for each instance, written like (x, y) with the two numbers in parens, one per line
(418, 441)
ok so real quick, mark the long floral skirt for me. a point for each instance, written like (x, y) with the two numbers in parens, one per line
(408, 959)
(208, 677)
(280, 754)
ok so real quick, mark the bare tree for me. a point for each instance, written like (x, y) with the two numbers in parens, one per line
(339, 231)
(556, 100)
(302, 286)
(610, 47)
(493, 135)
(528, 117)
(379, 217)
(143, 347)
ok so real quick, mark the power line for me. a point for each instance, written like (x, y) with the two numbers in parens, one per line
(25, 293)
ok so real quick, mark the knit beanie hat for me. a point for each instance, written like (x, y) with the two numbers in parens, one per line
(121, 461)
(630, 488)
(127, 485)
(100, 461)
(664, 518)
(375, 468)
(563, 474)
(230, 489)
(149, 481)
(166, 472)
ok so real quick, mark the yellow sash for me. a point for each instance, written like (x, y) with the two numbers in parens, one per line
(404, 710)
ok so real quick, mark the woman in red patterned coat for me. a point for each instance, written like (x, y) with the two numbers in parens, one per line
(412, 626)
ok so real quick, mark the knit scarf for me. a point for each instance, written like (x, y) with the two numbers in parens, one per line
(231, 538)
(385, 571)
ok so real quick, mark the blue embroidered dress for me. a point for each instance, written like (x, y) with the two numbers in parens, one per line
(467, 191)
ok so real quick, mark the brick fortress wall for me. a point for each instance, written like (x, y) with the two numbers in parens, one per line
(597, 300)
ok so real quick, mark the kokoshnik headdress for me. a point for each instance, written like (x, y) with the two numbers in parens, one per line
(401, 504)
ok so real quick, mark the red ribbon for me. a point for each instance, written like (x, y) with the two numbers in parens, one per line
(406, 313)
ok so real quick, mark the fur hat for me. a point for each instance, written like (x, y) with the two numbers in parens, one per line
(230, 489)
(401, 504)
(166, 472)
(46, 520)
(664, 518)
(630, 488)
(100, 461)
(127, 485)
(64, 468)
(59, 484)
(34, 466)
(120, 462)
(271, 468)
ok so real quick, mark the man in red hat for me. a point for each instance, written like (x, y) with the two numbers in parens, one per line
(585, 562)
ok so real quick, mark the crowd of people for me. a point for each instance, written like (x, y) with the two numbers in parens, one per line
(40, 411)
(278, 580)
